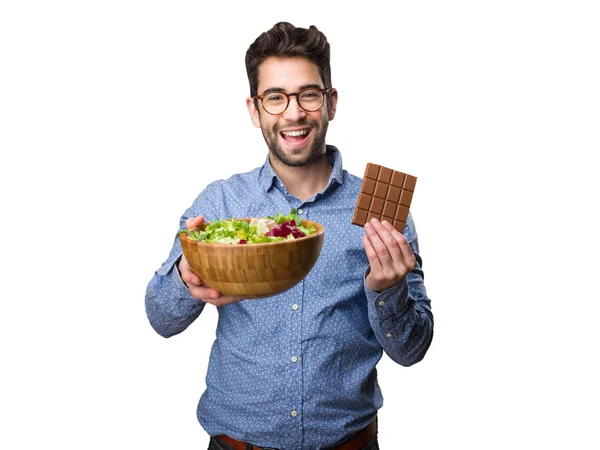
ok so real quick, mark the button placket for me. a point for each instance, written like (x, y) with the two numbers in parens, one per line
(294, 359)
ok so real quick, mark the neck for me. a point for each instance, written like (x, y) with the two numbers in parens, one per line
(306, 181)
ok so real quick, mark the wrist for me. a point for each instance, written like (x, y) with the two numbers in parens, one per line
(379, 286)
(177, 264)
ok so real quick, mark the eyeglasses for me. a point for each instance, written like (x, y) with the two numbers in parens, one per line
(309, 100)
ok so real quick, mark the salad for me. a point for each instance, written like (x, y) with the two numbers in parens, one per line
(258, 231)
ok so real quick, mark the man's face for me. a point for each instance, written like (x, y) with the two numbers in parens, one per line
(295, 137)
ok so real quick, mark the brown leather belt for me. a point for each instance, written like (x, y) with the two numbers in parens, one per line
(356, 442)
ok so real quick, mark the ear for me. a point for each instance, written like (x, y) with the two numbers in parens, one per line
(254, 113)
(332, 103)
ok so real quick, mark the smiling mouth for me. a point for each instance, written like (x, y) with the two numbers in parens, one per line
(295, 135)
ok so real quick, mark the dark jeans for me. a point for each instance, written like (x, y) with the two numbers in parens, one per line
(214, 444)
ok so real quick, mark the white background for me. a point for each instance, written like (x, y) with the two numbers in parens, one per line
(114, 115)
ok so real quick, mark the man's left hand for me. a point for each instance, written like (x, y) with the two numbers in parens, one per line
(390, 256)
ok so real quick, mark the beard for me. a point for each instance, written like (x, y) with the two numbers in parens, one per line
(317, 147)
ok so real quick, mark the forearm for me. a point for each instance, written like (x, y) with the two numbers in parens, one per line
(169, 305)
(402, 320)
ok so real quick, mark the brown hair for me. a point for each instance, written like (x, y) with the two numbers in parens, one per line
(284, 39)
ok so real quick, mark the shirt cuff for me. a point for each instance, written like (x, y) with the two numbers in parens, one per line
(389, 303)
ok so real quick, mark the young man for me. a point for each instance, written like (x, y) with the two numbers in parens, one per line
(297, 370)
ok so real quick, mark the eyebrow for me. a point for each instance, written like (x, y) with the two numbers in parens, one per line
(304, 86)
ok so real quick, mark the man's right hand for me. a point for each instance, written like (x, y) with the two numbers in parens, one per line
(193, 281)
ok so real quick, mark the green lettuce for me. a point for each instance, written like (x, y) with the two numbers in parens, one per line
(235, 231)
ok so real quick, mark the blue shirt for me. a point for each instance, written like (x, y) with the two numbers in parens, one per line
(297, 370)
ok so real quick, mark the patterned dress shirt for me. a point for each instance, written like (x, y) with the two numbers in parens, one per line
(297, 370)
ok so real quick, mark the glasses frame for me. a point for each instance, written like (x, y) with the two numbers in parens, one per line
(295, 94)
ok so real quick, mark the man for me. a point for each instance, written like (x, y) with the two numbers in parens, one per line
(297, 370)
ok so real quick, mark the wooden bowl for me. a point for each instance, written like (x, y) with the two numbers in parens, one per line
(254, 270)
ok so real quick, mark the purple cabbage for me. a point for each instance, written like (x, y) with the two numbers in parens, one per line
(285, 229)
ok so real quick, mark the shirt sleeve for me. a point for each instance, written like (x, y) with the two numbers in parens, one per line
(170, 307)
(401, 316)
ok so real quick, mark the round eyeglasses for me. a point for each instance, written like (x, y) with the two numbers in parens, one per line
(309, 100)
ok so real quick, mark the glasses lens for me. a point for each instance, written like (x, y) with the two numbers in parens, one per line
(310, 99)
(275, 102)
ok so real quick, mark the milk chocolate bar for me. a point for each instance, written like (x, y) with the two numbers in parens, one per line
(385, 194)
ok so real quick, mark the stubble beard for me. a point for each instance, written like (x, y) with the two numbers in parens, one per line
(317, 147)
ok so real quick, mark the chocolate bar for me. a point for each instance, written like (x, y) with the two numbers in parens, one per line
(385, 194)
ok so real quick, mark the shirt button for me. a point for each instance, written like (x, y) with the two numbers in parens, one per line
(294, 413)
(381, 303)
(295, 307)
(389, 335)
(300, 211)
(294, 359)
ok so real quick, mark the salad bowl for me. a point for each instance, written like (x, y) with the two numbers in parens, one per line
(253, 270)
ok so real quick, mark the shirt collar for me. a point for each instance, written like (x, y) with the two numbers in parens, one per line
(268, 177)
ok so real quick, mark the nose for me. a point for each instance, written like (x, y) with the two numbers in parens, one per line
(293, 111)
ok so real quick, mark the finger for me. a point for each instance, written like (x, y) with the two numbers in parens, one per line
(380, 246)
(224, 300)
(188, 276)
(385, 232)
(371, 255)
(205, 293)
(408, 257)
(194, 222)
(209, 295)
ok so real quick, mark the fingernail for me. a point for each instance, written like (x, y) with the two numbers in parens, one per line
(368, 226)
(374, 221)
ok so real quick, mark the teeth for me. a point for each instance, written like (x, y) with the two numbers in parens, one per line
(295, 133)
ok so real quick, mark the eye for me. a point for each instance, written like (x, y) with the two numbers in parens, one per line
(275, 98)
(310, 94)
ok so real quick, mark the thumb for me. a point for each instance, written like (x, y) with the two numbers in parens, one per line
(194, 222)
